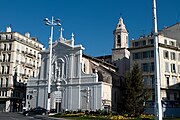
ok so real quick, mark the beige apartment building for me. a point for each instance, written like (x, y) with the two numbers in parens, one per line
(19, 60)
(142, 52)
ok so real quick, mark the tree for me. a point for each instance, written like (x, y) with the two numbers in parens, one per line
(133, 92)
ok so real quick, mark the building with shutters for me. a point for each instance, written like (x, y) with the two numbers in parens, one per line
(19, 60)
(142, 52)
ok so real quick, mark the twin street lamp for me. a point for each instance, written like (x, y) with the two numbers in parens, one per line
(51, 23)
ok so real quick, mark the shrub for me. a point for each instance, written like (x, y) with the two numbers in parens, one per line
(79, 111)
(68, 112)
(74, 112)
(146, 117)
(87, 112)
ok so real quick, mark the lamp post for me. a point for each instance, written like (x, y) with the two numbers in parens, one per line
(158, 106)
(51, 23)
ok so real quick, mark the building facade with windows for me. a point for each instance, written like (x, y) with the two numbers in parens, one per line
(142, 52)
(19, 59)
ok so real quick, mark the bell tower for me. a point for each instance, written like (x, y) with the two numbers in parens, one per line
(120, 35)
(120, 52)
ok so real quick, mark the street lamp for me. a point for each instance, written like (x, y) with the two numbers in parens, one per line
(158, 106)
(51, 23)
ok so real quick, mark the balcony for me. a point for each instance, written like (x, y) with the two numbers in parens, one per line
(29, 55)
(26, 42)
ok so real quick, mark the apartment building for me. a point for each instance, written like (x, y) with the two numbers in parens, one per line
(19, 60)
(142, 52)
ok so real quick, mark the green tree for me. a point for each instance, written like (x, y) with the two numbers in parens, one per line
(133, 92)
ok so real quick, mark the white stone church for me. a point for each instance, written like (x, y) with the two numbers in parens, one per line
(79, 81)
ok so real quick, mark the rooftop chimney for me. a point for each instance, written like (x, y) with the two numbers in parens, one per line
(27, 34)
(8, 29)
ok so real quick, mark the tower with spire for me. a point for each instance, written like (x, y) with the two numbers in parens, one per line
(120, 53)
(120, 35)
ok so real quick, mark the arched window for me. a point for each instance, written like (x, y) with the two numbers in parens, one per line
(84, 67)
(61, 68)
(119, 39)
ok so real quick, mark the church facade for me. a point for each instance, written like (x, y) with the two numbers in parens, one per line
(79, 81)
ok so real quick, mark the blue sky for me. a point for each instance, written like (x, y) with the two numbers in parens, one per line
(92, 21)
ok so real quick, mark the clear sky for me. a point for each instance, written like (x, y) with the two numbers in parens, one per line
(91, 21)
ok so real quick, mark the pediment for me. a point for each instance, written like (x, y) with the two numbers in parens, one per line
(62, 46)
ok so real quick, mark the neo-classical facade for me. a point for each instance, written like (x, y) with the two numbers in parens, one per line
(19, 59)
(142, 52)
(79, 81)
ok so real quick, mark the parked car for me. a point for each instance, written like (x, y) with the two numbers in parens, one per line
(36, 111)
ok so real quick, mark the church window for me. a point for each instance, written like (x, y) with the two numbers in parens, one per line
(126, 39)
(33, 74)
(100, 76)
(61, 67)
(7, 37)
(118, 39)
(84, 67)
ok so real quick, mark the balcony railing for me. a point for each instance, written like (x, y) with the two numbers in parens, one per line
(24, 41)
